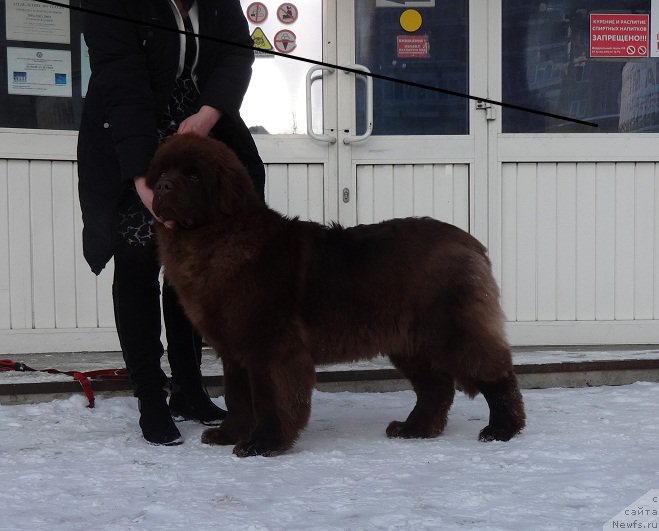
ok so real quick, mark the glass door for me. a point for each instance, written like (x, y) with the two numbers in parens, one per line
(373, 148)
(415, 155)
(287, 109)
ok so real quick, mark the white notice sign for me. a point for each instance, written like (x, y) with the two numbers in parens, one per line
(38, 22)
(39, 72)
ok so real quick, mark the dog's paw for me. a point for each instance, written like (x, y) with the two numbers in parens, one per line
(494, 433)
(404, 430)
(252, 448)
(396, 428)
(217, 436)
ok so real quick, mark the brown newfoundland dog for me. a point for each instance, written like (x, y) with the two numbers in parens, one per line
(276, 296)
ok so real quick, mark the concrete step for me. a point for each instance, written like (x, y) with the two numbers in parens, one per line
(535, 367)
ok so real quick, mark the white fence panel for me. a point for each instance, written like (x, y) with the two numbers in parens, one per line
(64, 186)
(49, 299)
(386, 191)
(579, 241)
(20, 260)
(297, 190)
(42, 244)
(5, 317)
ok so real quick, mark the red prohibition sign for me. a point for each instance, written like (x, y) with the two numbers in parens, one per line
(257, 12)
(285, 41)
(287, 13)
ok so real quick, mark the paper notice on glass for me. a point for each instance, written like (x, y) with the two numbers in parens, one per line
(39, 72)
(38, 22)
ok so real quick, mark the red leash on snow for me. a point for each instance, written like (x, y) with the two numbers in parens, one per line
(82, 377)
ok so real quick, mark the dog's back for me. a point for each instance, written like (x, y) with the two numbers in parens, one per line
(389, 282)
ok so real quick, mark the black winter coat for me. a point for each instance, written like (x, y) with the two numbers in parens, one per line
(133, 71)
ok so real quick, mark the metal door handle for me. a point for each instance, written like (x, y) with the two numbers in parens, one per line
(321, 138)
(351, 139)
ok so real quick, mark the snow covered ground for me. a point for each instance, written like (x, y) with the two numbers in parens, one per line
(585, 455)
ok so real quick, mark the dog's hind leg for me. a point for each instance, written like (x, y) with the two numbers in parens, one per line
(238, 398)
(485, 365)
(434, 395)
(507, 417)
(481, 358)
(281, 398)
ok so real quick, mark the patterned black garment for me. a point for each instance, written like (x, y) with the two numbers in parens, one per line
(182, 105)
(183, 101)
(135, 223)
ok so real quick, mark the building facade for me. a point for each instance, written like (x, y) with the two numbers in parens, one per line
(561, 182)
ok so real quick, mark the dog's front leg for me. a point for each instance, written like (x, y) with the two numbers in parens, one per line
(281, 400)
(237, 425)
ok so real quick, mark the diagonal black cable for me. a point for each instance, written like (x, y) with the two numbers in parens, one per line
(322, 63)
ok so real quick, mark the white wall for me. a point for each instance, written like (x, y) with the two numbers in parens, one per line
(579, 246)
(580, 251)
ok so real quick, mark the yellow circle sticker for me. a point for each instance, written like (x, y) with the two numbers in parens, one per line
(410, 20)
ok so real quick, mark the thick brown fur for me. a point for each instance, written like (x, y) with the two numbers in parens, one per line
(276, 296)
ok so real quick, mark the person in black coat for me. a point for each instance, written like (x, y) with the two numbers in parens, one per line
(148, 83)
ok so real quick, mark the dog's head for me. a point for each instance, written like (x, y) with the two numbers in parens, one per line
(197, 181)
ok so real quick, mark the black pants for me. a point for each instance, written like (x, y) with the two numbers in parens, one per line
(137, 307)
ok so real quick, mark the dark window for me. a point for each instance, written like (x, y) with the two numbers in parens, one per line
(618, 94)
(405, 110)
(40, 77)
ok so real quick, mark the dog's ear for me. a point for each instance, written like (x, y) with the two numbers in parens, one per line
(157, 161)
(236, 189)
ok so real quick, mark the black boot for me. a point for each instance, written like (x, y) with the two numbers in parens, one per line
(189, 400)
(156, 422)
(195, 404)
(136, 296)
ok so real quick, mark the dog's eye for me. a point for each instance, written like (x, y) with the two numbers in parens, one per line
(193, 178)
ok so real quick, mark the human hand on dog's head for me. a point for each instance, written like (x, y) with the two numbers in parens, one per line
(201, 122)
(146, 195)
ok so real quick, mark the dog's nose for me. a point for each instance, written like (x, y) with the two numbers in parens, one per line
(164, 186)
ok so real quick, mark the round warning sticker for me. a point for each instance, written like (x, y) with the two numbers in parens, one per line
(257, 12)
(411, 20)
(285, 41)
(287, 13)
